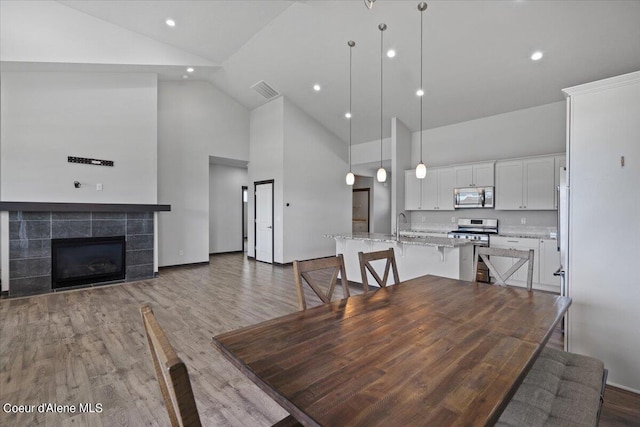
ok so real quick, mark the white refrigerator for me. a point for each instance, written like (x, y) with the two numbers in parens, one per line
(601, 239)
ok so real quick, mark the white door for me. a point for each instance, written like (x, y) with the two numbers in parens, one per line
(264, 222)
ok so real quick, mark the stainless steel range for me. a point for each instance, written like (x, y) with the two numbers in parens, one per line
(479, 231)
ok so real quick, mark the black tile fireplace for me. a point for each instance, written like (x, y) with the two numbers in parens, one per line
(33, 226)
(87, 260)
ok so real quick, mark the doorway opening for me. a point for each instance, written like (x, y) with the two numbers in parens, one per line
(361, 210)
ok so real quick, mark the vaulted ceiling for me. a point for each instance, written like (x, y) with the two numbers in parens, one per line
(476, 53)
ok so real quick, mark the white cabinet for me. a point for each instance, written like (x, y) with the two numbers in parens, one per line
(503, 264)
(549, 262)
(474, 175)
(412, 191)
(437, 189)
(434, 192)
(546, 260)
(508, 192)
(526, 184)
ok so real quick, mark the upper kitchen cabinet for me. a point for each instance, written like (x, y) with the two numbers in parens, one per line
(474, 175)
(437, 189)
(526, 184)
(434, 192)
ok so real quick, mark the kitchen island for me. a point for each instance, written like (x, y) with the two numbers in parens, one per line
(415, 256)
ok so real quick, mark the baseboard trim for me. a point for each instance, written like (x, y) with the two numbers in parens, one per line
(225, 253)
(189, 264)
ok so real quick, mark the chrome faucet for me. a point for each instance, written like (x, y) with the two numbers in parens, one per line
(401, 214)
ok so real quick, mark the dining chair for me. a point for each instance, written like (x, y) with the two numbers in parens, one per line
(501, 278)
(171, 373)
(173, 377)
(322, 267)
(365, 265)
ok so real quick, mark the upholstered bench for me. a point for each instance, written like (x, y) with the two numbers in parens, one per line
(561, 389)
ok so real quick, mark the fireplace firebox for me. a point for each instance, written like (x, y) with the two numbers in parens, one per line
(87, 260)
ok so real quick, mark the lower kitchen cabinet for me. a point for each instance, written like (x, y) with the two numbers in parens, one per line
(546, 261)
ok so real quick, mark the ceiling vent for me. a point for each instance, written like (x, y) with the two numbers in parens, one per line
(265, 90)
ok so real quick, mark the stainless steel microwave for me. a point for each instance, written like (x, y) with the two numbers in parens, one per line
(473, 197)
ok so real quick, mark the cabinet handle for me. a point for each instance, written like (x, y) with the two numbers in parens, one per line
(513, 241)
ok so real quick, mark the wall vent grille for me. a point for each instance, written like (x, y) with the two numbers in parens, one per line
(265, 90)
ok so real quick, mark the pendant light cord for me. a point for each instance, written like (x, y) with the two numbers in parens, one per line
(381, 54)
(350, 113)
(421, 88)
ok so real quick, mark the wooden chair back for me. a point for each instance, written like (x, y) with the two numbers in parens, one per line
(365, 265)
(333, 265)
(171, 373)
(501, 278)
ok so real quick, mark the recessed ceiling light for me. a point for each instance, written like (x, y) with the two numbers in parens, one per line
(419, 92)
(170, 22)
(189, 70)
(185, 76)
(316, 87)
(536, 55)
(391, 53)
(347, 115)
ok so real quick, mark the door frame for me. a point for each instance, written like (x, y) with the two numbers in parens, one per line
(244, 214)
(255, 212)
(368, 190)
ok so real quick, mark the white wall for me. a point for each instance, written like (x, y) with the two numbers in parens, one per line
(381, 214)
(314, 186)
(529, 132)
(195, 121)
(266, 162)
(49, 116)
(369, 152)
(401, 149)
(225, 207)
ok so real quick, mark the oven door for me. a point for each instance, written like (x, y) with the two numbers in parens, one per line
(473, 197)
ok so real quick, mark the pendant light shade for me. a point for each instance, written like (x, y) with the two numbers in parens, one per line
(421, 169)
(382, 174)
(350, 178)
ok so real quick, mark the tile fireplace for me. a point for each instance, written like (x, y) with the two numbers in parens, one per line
(38, 238)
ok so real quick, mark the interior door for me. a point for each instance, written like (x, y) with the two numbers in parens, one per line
(264, 221)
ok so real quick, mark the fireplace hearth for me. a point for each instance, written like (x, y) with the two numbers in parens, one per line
(87, 260)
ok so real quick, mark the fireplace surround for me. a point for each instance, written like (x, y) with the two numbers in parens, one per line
(31, 228)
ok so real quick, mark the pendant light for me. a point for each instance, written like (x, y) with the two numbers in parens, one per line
(351, 179)
(382, 173)
(421, 169)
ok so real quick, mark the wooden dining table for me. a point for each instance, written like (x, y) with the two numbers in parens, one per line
(428, 351)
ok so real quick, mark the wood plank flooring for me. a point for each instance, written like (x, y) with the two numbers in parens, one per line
(88, 346)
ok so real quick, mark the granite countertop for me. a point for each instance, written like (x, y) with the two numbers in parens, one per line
(527, 235)
(419, 241)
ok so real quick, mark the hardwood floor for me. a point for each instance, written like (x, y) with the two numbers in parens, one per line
(88, 346)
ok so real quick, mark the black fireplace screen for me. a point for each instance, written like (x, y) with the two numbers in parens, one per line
(87, 260)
